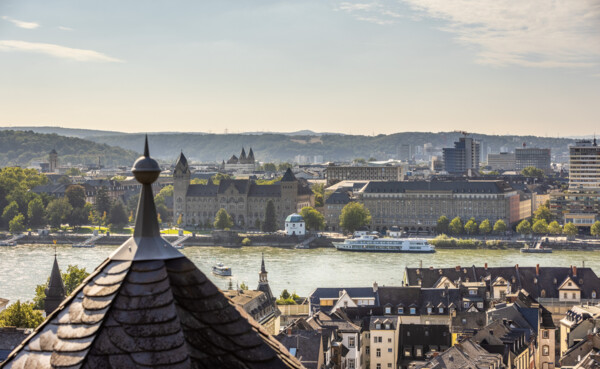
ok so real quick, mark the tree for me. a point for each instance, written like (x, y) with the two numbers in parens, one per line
(554, 228)
(36, 214)
(456, 226)
(282, 167)
(442, 224)
(500, 226)
(58, 211)
(217, 178)
(595, 229)
(533, 172)
(319, 191)
(269, 167)
(179, 220)
(540, 227)
(17, 224)
(542, 213)
(314, 220)
(10, 211)
(118, 216)
(102, 201)
(270, 223)
(76, 196)
(353, 216)
(286, 298)
(79, 216)
(21, 315)
(524, 227)
(71, 279)
(223, 219)
(471, 227)
(243, 286)
(73, 172)
(485, 227)
(570, 229)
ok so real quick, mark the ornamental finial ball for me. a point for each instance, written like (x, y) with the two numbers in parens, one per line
(145, 169)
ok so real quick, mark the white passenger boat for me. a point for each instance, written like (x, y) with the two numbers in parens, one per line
(370, 243)
(221, 270)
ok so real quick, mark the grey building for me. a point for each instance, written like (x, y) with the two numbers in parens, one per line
(463, 157)
(533, 157)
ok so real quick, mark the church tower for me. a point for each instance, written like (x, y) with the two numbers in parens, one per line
(263, 282)
(53, 160)
(55, 292)
(181, 182)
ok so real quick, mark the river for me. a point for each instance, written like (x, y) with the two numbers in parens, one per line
(25, 266)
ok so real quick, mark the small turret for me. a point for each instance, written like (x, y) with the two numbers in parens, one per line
(251, 157)
(55, 292)
(263, 282)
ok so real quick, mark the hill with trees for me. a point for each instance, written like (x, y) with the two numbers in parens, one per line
(20, 148)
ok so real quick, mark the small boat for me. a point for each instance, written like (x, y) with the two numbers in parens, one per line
(84, 245)
(537, 249)
(178, 247)
(221, 270)
(372, 243)
(8, 243)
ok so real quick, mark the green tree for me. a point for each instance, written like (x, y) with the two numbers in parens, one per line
(71, 279)
(471, 227)
(570, 229)
(554, 228)
(73, 172)
(314, 220)
(270, 223)
(282, 167)
(58, 211)
(180, 220)
(540, 227)
(102, 204)
(118, 216)
(10, 211)
(319, 191)
(223, 220)
(353, 216)
(21, 315)
(542, 213)
(595, 229)
(244, 286)
(36, 213)
(533, 172)
(269, 167)
(485, 227)
(442, 225)
(79, 216)
(456, 226)
(500, 226)
(524, 227)
(17, 224)
(359, 161)
(76, 196)
(217, 178)
(286, 298)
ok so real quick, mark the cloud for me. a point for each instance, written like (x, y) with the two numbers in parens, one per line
(21, 24)
(532, 33)
(63, 28)
(58, 51)
(372, 12)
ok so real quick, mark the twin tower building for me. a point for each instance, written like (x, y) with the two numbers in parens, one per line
(243, 199)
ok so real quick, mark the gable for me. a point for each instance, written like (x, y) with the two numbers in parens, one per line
(569, 285)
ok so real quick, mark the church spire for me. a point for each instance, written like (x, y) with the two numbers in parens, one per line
(55, 292)
(263, 282)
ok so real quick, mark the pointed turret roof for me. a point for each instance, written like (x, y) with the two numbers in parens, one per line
(147, 305)
(181, 161)
(262, 264)
(243, 154)
(56, 287)
(251, 155)
(288, 176)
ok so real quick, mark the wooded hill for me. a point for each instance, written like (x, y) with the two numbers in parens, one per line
(20, 148)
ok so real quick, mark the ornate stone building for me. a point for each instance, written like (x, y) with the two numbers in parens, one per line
(244, 200)
(244, 163)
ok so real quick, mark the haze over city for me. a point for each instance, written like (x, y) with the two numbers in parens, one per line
(369, 67)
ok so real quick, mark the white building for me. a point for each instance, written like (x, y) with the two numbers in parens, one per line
(584, 166)
(294, 225)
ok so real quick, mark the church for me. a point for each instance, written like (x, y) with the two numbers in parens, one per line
(243, 199)
(243, 164)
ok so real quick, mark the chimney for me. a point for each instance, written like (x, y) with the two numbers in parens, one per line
(458, 268)
(537, 269)
(517, 267)
(289, 331)
(375, 287)
(430, 267)
(574, 268)
(485, 266)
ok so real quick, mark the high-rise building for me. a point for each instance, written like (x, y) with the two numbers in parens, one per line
(501, 161)
(406, 152)
(584, 166)
(533, 157)
(463, 157)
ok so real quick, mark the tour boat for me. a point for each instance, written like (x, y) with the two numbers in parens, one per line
(371, 243)
(221, 270)
(538, 248)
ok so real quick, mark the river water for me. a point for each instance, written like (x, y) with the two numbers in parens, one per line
(25, 266)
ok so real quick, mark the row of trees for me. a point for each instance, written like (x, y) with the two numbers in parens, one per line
(456, 226)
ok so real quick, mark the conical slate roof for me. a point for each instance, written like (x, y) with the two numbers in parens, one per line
(56, 287)
(251, 155)
(181, 161)
(288, 176)
(148, 306)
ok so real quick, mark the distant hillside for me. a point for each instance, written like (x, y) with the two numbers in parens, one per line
(282, 147)
(22, 147)
(71, 132)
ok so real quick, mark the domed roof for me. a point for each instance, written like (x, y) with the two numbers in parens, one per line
(294, 218)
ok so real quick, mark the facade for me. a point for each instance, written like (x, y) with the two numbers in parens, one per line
(336, 174)
(578, 322)
(243, 164)
(415, 206)
(53, 161)
(533, 157)
(584, 166)
(463, 157)
(383, 342)
(502, 162)
(295, 225)
(244, 200)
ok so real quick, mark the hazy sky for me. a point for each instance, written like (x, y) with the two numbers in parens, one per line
(490, 66)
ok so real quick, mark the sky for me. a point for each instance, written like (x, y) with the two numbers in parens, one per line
(366, 67)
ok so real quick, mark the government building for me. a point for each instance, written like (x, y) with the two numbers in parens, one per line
(243, 199)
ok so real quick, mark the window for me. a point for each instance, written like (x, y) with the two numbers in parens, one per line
(545, 334)
(401, 309)
(380, 339)
(390, 349)
(593, 294)
(480, 305)
(419, 352)
(413, 311)
(472, 292)
(350, 363)
(574, 295)
(466, 304)
(545, 350)
(389, 340)
(388, 310)
(351, 343)
(389, 365)
(378, 353)
(565, 295)
(378, 366)
(387, 326)
(407, 352)
(368, 350)
(429, 310)
(441, 310)
(378, 326)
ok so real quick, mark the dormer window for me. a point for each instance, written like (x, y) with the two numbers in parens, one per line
(593, 294)
(413, 311)
(388, 310)
(429, 310)
(400, 310)
(378, 326)
(387, 326)
(441, 310)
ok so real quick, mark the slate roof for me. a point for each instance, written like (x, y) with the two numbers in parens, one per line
(438, 186)
(338, 197)
(201, 190)
(306, 344)
(241, 185)
(419, 298)
(52, 189)
(288, 176)
(181, 161)
(147, 305)
(273, 190)
(466, 354)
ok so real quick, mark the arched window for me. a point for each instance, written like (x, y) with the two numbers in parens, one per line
(594, 294)
(543, 293)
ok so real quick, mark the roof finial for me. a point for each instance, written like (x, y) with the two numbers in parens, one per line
(146, 150)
